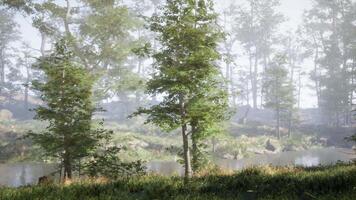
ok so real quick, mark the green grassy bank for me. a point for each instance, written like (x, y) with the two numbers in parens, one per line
(331, 182)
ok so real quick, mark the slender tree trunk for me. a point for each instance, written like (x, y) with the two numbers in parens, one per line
(299, 88)
(43, 43)
(26, 98)
(278, 123)
(290, 124)
(28, 74)
(251, 72)
(140, 73)
(213, 142)
(194, 148)
(67, 167)
(316, 78)
(79, 167)
(185, 137)
(186, 154)
(68, 32)
(2, 71)
(60, 171)
(232, 89)
(254, 82)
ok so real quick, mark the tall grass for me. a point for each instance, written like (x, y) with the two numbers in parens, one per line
(331, 182)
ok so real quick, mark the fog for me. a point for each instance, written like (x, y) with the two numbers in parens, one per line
(282, 75)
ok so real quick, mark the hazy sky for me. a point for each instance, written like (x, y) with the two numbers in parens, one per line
(292, 9)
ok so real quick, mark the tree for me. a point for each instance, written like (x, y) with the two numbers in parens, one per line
(208, 110)
(292, 46)
(101, 38)
(227, 50)
(8, 34)
(331, 25)
(185, 74)
(255, 28)
(67, 93)
(279, 90)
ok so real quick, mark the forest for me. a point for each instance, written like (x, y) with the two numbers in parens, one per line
(178, 99)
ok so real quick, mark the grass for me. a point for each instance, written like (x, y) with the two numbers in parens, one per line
(146, 142)
(330, 182)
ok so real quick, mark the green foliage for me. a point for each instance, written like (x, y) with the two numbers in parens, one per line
(102, 36)
(255, 26)
(107, 164)
(67, 92)
(329, 183)
(9, 73)
(330, 24)
(189, 73)
(185, 74)
(279, 91)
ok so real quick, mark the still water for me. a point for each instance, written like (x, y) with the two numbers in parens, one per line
(14, 175)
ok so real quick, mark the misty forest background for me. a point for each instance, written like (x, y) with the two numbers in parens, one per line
(255, 89)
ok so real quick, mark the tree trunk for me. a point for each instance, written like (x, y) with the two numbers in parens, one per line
(254, 82)
(213, 143)
(251, 73)
(299, 88)
(316, 81)
(43, 43)
(67, 166)
(278, 123)
(195, 149)
(290, 124)
(26, 97)
(186, 152)
(28, 74)
(2, 71)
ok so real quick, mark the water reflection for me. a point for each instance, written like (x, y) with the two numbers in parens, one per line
(307, 161)
(307, 158)
(15, 175)
(167, 168)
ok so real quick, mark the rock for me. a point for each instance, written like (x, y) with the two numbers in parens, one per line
(228, 156)
(44, 180)
(270, 146)
(134, 144)
(289, 147)
(324, 141)
(5, 115)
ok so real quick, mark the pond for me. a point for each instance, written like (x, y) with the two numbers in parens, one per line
(14, 175)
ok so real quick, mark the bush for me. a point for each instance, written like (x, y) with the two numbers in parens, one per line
(108, 164)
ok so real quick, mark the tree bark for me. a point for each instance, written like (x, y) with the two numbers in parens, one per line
(28, 78)
(278, 123)
(2, 71)
(67, 166)
(43, 43)
(194, 148)
(254, 82)
(186, 152)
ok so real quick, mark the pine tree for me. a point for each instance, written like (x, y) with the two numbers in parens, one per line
(67, 94)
